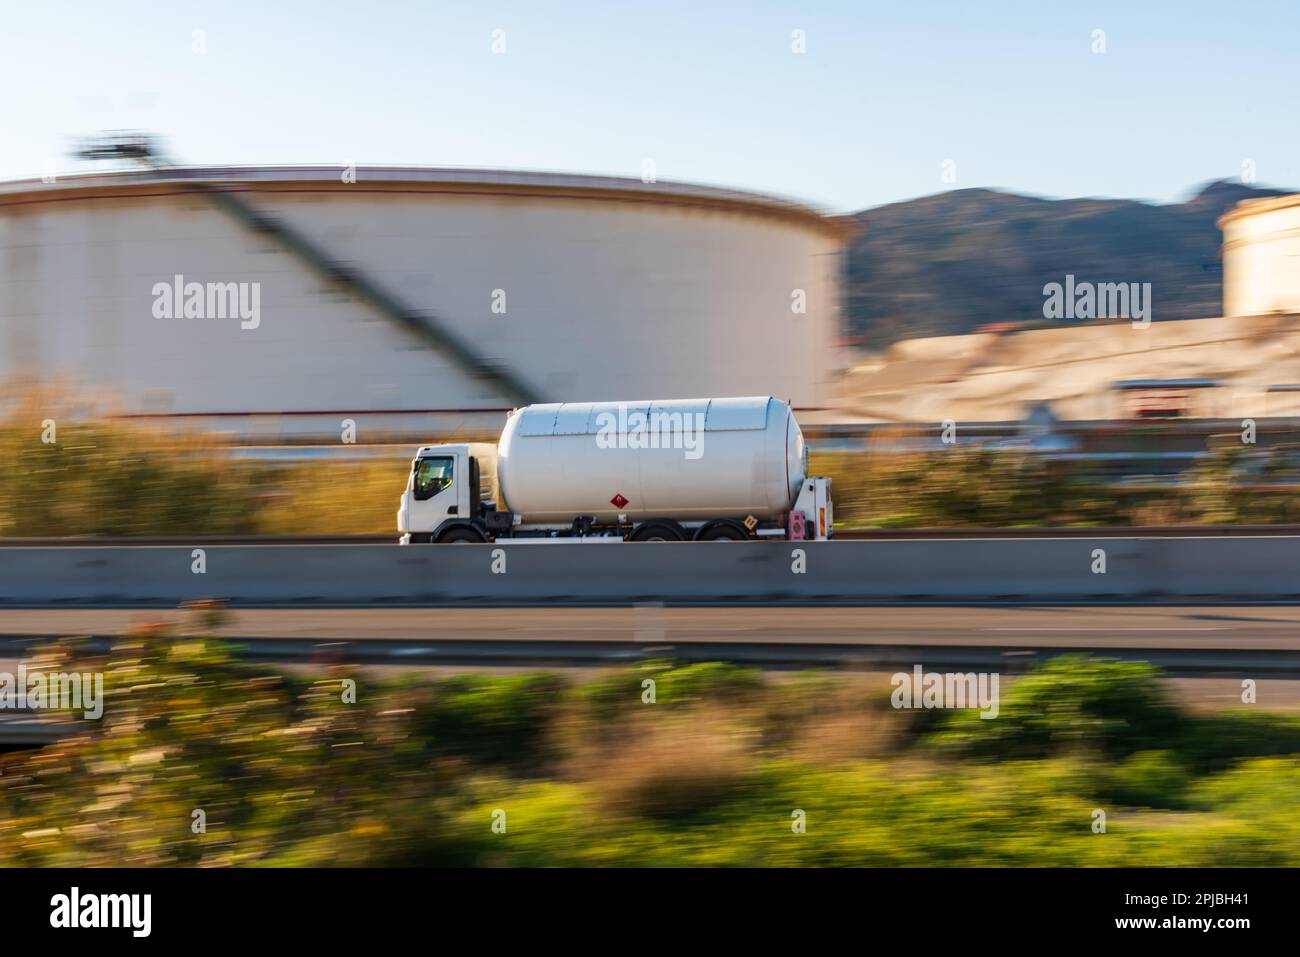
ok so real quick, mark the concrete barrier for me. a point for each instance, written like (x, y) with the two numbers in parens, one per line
(956, 569)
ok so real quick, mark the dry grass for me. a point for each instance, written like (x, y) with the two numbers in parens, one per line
(670, 765)
(335, 498)
(849, 735)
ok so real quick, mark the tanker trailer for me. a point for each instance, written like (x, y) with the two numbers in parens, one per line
(662, 471)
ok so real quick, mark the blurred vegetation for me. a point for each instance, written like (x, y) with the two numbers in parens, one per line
(984, 488)
(288, 771)
(1110, 708)
(115, 478)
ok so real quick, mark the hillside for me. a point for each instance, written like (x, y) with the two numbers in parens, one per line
(949, 263)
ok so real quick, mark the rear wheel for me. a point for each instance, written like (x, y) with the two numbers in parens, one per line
(462, 535)
(658, 532)
(724, 532)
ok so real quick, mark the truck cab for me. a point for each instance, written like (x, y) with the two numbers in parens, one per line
(443, 500)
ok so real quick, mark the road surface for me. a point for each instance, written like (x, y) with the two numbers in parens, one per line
(1263, 627)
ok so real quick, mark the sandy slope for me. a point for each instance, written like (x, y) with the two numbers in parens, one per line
(999, 376)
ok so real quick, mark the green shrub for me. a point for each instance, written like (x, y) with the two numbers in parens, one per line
(1214, 741)
(1266, 785)
(492, 720)
(1156, 779)
(712, 681)
(1070, 702)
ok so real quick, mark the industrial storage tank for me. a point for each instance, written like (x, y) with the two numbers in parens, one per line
(411, 301)
(1261, 257)
(741, 457)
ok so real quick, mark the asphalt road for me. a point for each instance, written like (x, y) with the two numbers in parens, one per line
(1262, 627)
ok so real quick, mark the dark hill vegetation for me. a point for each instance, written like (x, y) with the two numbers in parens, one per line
(949, 263)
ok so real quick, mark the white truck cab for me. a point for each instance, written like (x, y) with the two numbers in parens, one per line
(444, 499)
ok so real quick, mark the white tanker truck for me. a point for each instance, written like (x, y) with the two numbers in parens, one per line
(664, 471)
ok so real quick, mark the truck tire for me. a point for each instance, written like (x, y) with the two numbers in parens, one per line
(658, 532)
(461, 535)
(723, 532)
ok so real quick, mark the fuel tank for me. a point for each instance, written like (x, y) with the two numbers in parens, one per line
(681, 459)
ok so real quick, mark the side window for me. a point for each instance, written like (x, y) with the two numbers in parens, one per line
(432, 475)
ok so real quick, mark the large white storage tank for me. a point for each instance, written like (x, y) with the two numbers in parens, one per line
(1261, 257)
(561, 460)
(574, 285)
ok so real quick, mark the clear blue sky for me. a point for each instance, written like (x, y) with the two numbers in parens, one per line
(710, 91)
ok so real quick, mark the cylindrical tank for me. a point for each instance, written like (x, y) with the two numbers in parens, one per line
(521, 268)
(685, 459)
(1261, 257)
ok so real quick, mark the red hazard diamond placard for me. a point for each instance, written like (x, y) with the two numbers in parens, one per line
(618, 501)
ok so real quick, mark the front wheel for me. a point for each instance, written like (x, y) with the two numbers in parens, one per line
(461, 536)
